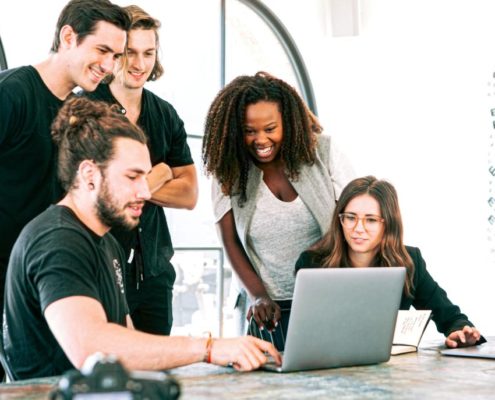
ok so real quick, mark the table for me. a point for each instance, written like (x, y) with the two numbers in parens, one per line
(422, 375)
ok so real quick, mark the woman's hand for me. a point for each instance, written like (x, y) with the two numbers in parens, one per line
(265, 312)
(468, 336)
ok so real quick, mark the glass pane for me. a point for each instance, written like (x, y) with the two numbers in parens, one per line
(251, 46)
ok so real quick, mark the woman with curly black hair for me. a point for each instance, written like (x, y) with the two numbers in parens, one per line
(276, 180)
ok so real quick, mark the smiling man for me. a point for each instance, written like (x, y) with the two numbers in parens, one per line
(90, 36)
(64, 297)
(149, 274)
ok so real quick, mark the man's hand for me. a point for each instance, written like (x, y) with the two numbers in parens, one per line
(245, 353)
(468, 336)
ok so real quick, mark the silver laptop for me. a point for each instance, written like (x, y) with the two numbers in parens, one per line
(341, 317)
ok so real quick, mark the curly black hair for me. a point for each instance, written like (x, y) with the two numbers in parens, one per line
(224, 153)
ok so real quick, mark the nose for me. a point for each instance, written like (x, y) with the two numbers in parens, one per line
(143, 191)
(360, 225)
(139, 62)
(108, 64)
(260, 138)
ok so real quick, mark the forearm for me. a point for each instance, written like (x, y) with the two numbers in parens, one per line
(159, 176)
(137, 350)
(176, 194)
(179, 192)
(240, 262)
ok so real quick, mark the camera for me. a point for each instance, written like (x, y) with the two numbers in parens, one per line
(104, 377)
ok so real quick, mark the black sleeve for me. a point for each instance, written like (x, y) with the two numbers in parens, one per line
(307, 259)
(428, 295)
(64, 272)
(10, 121)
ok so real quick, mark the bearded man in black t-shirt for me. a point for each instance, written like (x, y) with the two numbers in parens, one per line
(64, 294)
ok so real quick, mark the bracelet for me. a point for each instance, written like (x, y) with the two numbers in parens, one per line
(209, 344)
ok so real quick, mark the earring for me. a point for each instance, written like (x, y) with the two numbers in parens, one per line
(91, 186)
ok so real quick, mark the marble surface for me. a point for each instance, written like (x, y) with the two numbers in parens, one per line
(422, 375)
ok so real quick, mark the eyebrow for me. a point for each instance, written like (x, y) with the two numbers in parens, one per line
(107, 48)
(366, 215)
(138, 171)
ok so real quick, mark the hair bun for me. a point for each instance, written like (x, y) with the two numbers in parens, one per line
(73, 120)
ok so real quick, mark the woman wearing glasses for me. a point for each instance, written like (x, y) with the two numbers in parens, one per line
(366, 231)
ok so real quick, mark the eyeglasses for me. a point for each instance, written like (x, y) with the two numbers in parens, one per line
(371, 223)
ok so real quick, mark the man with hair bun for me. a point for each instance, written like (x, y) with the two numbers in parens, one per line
(64, 295)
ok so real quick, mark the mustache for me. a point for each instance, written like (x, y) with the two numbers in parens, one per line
(136, 204)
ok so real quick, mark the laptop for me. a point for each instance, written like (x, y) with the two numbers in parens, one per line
(341, 317)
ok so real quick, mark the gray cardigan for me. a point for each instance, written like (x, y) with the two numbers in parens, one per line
(318, 185)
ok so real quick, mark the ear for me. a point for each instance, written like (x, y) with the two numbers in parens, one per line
(89, 175)
(67, 36)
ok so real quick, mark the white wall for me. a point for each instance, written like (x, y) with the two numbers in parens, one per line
(407, 99)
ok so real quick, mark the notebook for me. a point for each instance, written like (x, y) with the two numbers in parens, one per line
(341, 317)
(485, 350)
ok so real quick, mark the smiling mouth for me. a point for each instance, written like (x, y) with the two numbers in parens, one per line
(136, 209)
(97, 73)
(264, 151)
(136, 74)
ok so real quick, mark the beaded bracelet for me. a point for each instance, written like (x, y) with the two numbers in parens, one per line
(209, 344)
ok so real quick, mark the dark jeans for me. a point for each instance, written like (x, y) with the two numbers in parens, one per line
(150, 301)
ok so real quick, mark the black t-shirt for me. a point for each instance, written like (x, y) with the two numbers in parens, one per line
(167, 142)
(56, 256)
(28, 178)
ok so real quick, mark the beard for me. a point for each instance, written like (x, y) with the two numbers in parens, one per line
(110, 213)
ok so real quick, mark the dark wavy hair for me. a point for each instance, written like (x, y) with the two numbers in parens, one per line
(85, 130)
(224, 153)
(333, 248)
(83, 15)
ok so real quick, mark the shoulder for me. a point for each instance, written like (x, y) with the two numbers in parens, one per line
(17, 75)
(156, 102)
(323, 145)
(54, 233)
(19, 81)
(308, 259)
(102, 93)
(418, 261)
(221, 203)
(414, 252)
(56, 221)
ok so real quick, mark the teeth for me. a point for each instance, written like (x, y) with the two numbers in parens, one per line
(264, 150)
(97, 74)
